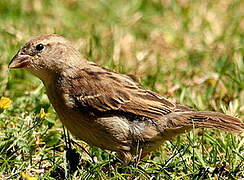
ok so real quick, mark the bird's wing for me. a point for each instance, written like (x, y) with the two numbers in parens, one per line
(99, 90)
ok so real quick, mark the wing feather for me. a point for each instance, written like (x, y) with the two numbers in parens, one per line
(100, 90)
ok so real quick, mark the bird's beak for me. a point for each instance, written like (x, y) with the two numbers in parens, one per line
(19, 61)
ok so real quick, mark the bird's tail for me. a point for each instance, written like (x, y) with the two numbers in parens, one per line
(179, 122)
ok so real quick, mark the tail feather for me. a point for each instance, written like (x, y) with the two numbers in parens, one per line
(204, 119)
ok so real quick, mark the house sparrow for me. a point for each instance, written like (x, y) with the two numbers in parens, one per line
(107, 109)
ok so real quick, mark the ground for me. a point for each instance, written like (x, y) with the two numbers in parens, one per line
(188, 51)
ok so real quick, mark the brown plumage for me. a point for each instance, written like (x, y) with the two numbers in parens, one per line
(108, 109)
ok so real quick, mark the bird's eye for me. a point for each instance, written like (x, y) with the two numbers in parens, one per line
(39, 47)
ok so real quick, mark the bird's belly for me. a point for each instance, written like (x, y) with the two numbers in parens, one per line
(110, 133)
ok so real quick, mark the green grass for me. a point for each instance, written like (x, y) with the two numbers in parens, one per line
(188, 51)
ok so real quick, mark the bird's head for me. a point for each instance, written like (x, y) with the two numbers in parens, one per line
(46, 55)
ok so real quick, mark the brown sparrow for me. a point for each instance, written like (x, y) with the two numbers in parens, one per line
(107, 109)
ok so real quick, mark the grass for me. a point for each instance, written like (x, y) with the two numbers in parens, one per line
(188, 51)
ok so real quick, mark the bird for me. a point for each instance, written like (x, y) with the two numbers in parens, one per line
(108, 109)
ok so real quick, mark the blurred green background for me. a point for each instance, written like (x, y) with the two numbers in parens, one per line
(190, 51)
